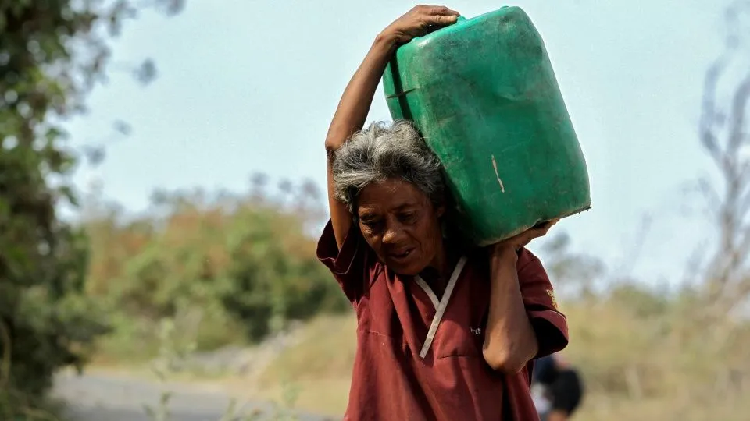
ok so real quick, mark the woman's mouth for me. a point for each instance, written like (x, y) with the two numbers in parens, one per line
(401, 255)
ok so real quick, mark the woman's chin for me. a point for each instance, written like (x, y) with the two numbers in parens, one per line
(409, 268)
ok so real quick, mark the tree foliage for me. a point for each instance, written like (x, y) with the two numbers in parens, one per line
(573, 274)
(52, 53)
(241, 266)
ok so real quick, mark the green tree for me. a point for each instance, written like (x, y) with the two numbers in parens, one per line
(573, 274)
(52, 53)
(234, 267)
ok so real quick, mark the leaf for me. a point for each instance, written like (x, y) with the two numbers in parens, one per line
(94, 154)
(122, 127)
(146, 72)
(69, 195)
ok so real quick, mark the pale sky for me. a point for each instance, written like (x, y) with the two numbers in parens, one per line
(251, 85)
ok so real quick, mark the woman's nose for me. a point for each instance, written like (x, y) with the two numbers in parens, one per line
(392, 235)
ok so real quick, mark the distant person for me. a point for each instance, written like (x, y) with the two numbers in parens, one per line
(557, 388)
(445, 332)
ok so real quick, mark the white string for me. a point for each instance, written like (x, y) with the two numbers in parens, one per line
(440, 311)
(428, 291)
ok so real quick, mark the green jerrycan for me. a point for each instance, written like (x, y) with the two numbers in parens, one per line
(484, 96)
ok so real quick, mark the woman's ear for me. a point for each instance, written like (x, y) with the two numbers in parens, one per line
(440, 205)
(440, 210)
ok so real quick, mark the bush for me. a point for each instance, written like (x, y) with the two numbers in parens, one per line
(228, 269)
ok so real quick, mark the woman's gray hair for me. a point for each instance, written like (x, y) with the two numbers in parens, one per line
(381, 152)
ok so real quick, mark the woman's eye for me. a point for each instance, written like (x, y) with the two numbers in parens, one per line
(372, 225)
(408, 217)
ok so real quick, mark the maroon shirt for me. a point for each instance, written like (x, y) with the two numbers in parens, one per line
(401, 374)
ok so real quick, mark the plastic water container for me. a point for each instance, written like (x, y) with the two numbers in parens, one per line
(484, 95)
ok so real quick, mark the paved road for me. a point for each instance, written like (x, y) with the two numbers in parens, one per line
(96, 397)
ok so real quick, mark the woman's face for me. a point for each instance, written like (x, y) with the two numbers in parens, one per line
(401, 225)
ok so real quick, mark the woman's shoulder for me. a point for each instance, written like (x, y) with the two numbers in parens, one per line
(353, 264)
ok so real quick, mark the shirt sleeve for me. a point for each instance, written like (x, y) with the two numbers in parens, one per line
(351, 266)
(549, 324)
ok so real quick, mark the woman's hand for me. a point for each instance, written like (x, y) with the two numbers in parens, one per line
(510, 341)
(510, 246)
(417, 22)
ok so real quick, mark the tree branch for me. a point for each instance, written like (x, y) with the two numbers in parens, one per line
(723, 137)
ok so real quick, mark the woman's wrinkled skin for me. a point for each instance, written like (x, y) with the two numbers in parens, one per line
(401, 225)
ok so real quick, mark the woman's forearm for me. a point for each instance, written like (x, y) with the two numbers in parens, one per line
(357, 98)
(350, 117)
(510, 341)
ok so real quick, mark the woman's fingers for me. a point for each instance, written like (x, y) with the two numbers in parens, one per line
(442, 10)
(442, 20)
(523, 239)
(538, 231)
(420, 21)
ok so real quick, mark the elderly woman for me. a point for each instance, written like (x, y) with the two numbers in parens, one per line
(445, 332)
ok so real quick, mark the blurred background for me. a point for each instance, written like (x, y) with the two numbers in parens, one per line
(162, 188)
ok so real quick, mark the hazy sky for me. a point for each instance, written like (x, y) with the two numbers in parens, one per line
(250, 86)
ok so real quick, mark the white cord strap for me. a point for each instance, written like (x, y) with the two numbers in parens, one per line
(441, 305)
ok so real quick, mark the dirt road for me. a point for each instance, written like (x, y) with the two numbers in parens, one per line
(99, 397)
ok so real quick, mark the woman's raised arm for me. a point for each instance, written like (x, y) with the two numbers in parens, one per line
(355, 103)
